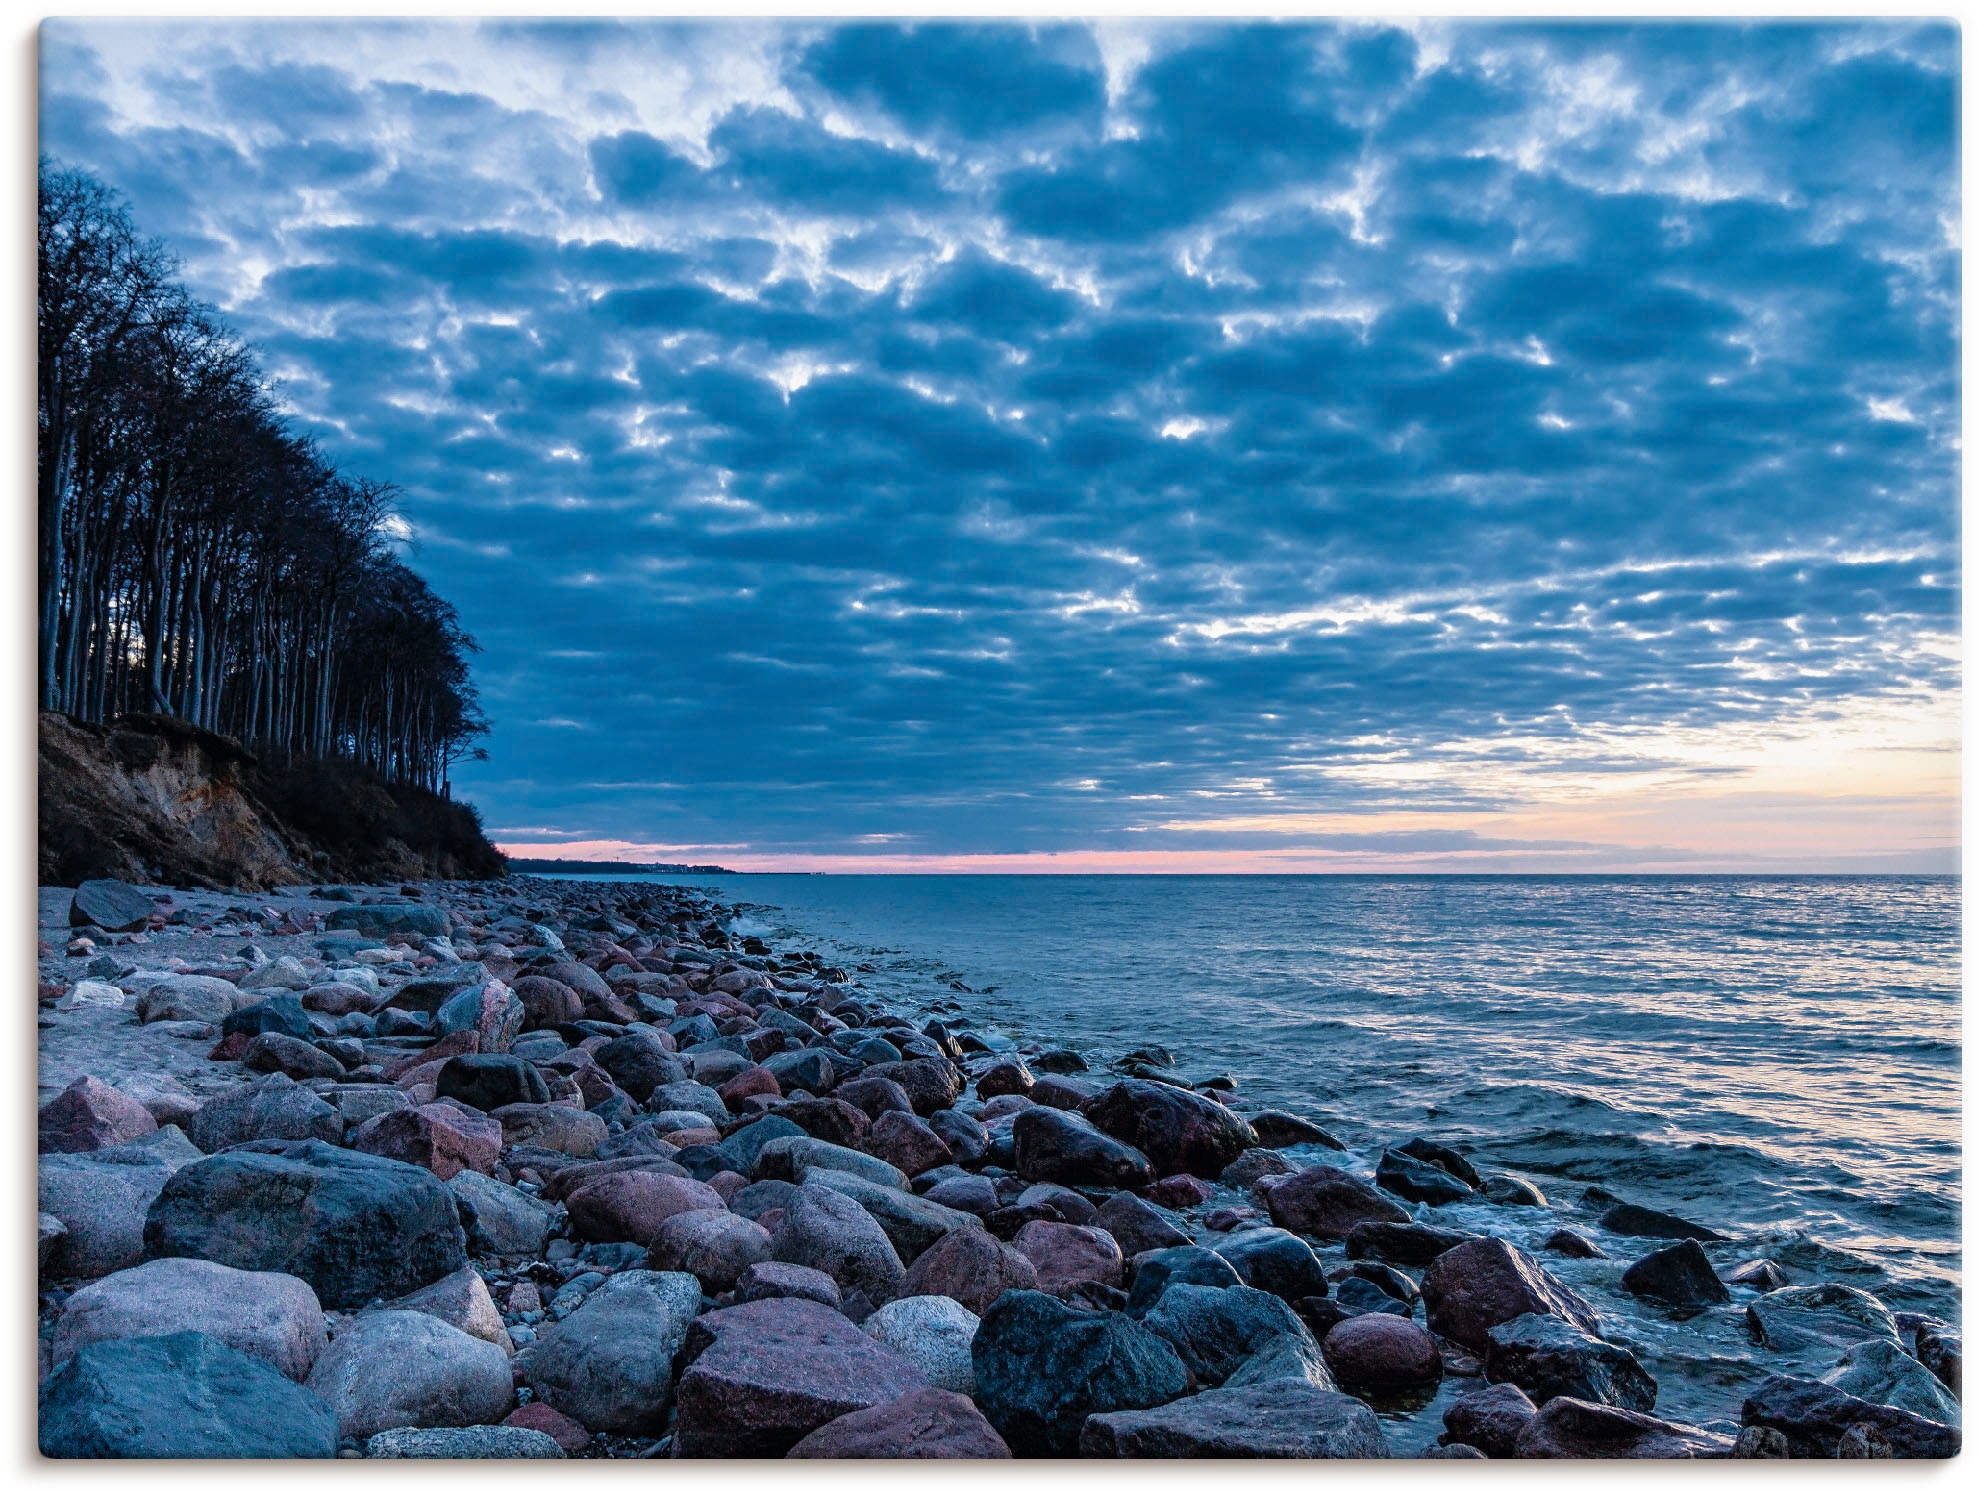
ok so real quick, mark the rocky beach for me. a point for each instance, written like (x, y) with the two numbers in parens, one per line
(535, 1168)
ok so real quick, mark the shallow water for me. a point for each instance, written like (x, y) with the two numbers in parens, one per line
(1776, 1057)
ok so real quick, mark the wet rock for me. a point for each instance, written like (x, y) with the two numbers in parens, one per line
(1513, 1191)
(826, 1230)
(1042, 1368)
(1179, 1192)
(1757, 1443)
(1065, 1255)
(1450, 1453)
(1178, 1131)
(1758, 1274)
(1186, 1264)
(912, 1224)
(90, 1115)
(930, 1083)
(1572, 1429)
(1277, 1129)
(1283, 1419)
(444, 1138)
(875, 1096)
(355, 1227)
(180, 1396)
(1419, 1181)
(762, 1376)
(1678, 1276)
(1006, 1076)
(1814, 1416)
(503, 1442)
(1487, 1282)
(462, 1301)
(1443, 1159)
(1491, 1420)
(793, 1157)
(1882, 1373)
(609, 1363)
(1380, 1354)
(1069, 1094)
(1325, 1202)
(500, 1219)
(1941, 1350)
(933, 1333)
(971, 1267)
(1413, 1244)
(714, 1247)
(630, 1206)
(1548, 1358)
(929, 1424)
(488, 1082)
(114, 906)
(1863, 1442)
(1819, 1318)
(272, 1317)
(1645, 1222)
(1054, 1145)
(1253, 1165)
(551, 1126)
(1569, 1244)
(1215, 1330)
(388, 1369)
(1274, 1260)
(1357, 1294)
(1137, 1225)
(773, 1280)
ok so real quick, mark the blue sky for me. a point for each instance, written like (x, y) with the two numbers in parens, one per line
(1129, 445)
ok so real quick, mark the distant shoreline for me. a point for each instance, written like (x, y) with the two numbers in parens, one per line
(614, 867)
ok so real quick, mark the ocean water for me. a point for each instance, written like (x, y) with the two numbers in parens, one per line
(1775, 1057)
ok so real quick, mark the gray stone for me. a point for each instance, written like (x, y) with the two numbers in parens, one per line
(912, 1224)
(1215, 1330)
(189, 997)
(933, 1333)
(274, 1108)
(793, 1157)
(713, 1246)
(101, 1199)
(391, 920)
(1882, 1373)
(500, 1219)
(609, 1364)
(273, 1317)
(388, 1369)
(466, 1443)
(1823, 1319)
(1285, 1419)
(114, 906)
(829, 1231)
(462, 1301)
(1548, 1357)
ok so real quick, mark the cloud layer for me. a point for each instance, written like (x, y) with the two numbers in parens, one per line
(957, 440)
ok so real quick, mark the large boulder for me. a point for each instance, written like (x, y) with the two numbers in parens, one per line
(1326, 1202)
(356, 1227)
(101, 1199)
(1814, 1416)
(931, 1424)
(90, 1115)
(1415, 1245)
(1490, 1420)
(639, 1064)
(547, 1003)
(760, 1377)
(1575, 1430)
(1824, 1320)
(189, 997)
(1055, 1145)
(1215, 1331)
(551, 1126)
(1549, 1358)
(826, 1230)
(114, 906)
(1274, 1260)
(1679, 1276)
(1188, 1264)
(1138, 1225)
(273, 1317)
(794, 1157)
(273, 1052)
(1067, 1256)
(913, 1224)
(1486, 1282)
(629, 1206)
(971, 1267)
(1630, 1221)
(1042, 1368)
(609, 1363)
(182, 1396)
(714, 1247)
(1882, 1373)
(1284, 1419)
(462, 1301)
(1420, 1180)
(391, 920)
(933, 1333)
(274, 1108)
(499, 1218)
(931, 1084)
(282, 1014)
(392, 1369)
(1378, 1354)
(489, 1010)
(907, 1142)
(445, 1138)
(1177, 1130)
(490, 1081)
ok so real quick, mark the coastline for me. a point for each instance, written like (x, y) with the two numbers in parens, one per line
(1131, 1140)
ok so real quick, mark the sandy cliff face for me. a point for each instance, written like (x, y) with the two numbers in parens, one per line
(153, 800)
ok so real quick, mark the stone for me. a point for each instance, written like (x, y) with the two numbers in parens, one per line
(1214, 1330)
(547, 1003)
(1419, 1181)
(488, 1082)
(609, 1363)
(569, 1436)
(1491, 1420)
(1178, 1131)
(462, 1301)
(828, 1119)
(966, 1138)
(964, 1193)
(751, 1082)
(1814, 1416)
(1070, 1206)
(339, 999)
(1882, 1373)
(930, 1424)
(1380, 1354)
(114, 906)
(272, 1317)
(1507, 1190)
(489, 1010)
(1572, 1245)
(760, 1377)
(49, 1233)
(444, 1138)
(355, 1227)
(551, 1126)
(931, 1084)
(1041, 1368)
(793, 1157)
(1356, 1293)
(1415, 1245)
(1941, 1350)
(1325, 1202)
(1179, 1192)
(1645, 1222)
(1066, 1256)
(503, 1442)
(88, 992)
(1549, 1358)
(1678, 1276)
(182, 1396)
(933, 1333)
(1824, 1319)
(1758, 1274)
(1277, 1129)
(1457, 1452)
(189, 997)
(271, 1051)
(1274, 1260)
(692, 1097)
(912, 1224)
(274, 1108)
(499, 1218)
(875, 1096)
(1285, 1419)
(391, 1368)
(1444, 1159)
(391, 920)
(1187, 1264)
(1758, 1443)
(1486, 1282)
(1007, 1075)
(1572, 1429)
(744, 1146)
(1138, 1226)
(809, 1069)
(630, 1206)
(971, 1267)
(639, 1064)
(906, 1142)
(282, 1014)
(773, 1279)
(101, 1197)
(826, 1230)
(90, 1115)
(1054, 1145)
(714, 1247)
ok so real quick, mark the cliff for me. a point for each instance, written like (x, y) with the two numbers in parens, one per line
(154, 800)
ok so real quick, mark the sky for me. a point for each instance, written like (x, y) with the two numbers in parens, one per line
(1126, 446)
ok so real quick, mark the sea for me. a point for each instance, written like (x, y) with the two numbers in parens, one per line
(1776, 1057)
